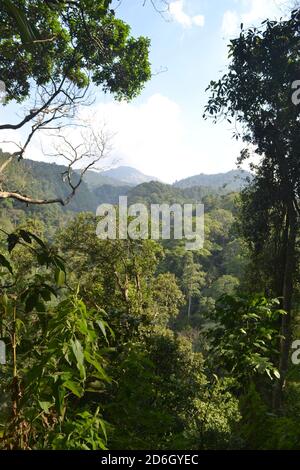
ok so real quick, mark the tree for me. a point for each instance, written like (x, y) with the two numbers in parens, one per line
(167, 298)
(164, 400)
(77, 39)
(257, 93)
(244, 339)
(226, 284)
(51, 51)
(193, 280)
(79, 157)
(54, 352)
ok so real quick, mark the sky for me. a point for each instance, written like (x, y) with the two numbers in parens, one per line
(162, 132)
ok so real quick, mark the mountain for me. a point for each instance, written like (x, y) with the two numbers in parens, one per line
(44, 180)
(156, 192)
(109, 194)
(234, 180)
(120, 176)
(96, 179)
(128, 175)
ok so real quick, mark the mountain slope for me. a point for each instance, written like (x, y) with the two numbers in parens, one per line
(45, 181)
(233, 180)
(128, 175)
(95, 179)
(160, 193)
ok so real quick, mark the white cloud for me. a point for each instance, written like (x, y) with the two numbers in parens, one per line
(255, 12)
(155, 138)
(198, 20)
(230, 23)
(148, 136)
(176, 9)
(11, 140)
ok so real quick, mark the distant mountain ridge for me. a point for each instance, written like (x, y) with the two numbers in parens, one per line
(45, 180)
(119, 176)
(96, 179)
(233, 180)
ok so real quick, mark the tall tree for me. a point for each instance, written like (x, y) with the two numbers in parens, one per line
(193, 280)
(51, 51)
(257, 93)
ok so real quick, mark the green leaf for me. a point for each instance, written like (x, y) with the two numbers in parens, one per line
(79, 356)
(60, 277)
(12, 241)
(94, 362)
(26, 236)
(4, 262)
(102, 327)
(45, 405)
(4, 300)
(25, 29)
(60, 399)
(37, 239)
(102, 424)
(74, 387)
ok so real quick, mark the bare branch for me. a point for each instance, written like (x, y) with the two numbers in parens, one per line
(93, 147)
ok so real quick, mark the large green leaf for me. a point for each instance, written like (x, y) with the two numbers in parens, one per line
(4, 262)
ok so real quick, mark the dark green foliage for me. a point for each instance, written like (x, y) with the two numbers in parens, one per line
(138, 344)
(70, 40)
(245, 336)
(55, 353)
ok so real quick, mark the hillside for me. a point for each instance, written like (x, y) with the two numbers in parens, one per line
(41, 180)
(95, 179)
(160, 193)
(44, 180)
(128, 175)
(233, 180)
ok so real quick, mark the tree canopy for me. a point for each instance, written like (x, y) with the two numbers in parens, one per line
(69, 40)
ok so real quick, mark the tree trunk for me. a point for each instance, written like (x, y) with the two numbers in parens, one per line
(287, 298)
(189, 308)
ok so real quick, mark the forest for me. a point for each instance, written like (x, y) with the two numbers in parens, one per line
(139, 344)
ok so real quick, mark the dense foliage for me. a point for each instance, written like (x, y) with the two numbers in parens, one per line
(141, 344)
(55, 40)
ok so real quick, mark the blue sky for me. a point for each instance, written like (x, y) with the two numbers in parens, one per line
(162, 132)
(193, 53)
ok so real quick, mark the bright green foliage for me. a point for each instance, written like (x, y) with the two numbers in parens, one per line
(55, 355)
(136, 344)
(86, 431)
(193, 279)
(43, 41)
(164, 400)
(226, 284)
(69, 364)
(159, 392)
(258, 93)
(167, 299)
(245, 337)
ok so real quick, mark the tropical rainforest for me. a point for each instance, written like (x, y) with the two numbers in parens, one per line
(140, 344)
